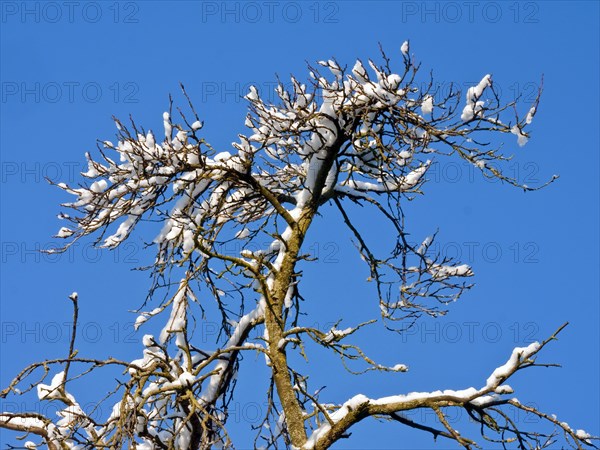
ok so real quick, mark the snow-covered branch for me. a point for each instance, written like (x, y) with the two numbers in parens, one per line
(482, 404)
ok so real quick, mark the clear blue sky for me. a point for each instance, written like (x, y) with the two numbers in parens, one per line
(66, 69)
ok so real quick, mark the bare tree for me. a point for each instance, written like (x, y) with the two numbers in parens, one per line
(361, 136)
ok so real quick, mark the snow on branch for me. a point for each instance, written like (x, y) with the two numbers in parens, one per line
(482, 404)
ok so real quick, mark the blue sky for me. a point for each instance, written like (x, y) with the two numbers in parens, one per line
(66, 69)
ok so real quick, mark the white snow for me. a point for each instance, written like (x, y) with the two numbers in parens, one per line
(210, 392)
(474, 93)
(150, 142)
(144, 316)
(243, 233)
(335, 335)
(359, 72)
(504, 389)
(444, 271)
(582, 434)
(521, 137)
(519, 353)
(427, 105)
(24, 421)
(335, 417)
(424, 245)
(530, 114)
(167, 125)
(178, 312)
(64, 232)
(99, 186)
(51, 391)
(253, 94)
(405, 48)
(148, 340)
(405, 183)
(222, 156)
